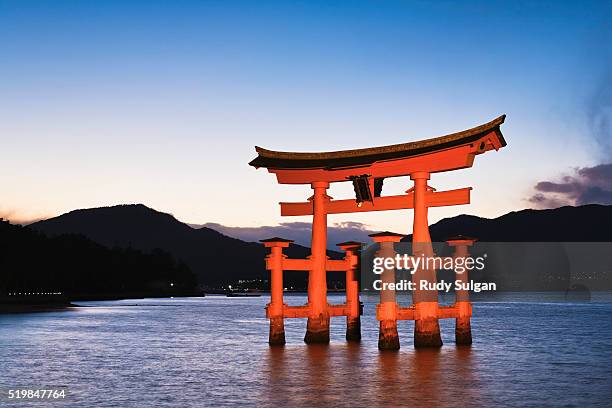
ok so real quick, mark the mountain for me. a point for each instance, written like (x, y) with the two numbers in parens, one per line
(566, 248)
(214, 258)
(34, 266)
(220, 260)
(587, 223)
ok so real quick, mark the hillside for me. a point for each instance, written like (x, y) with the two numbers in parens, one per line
(219, 260)
(587, 223)
(214, 258)
(80, 268)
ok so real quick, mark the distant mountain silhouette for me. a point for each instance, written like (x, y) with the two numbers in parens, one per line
(536, 251)
(220, 260)
(32, 265)
(587, 223)
(213, 257)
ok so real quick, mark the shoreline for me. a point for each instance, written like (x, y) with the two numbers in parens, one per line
(49, 303)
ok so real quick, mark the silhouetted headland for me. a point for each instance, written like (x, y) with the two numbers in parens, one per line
(48, 272)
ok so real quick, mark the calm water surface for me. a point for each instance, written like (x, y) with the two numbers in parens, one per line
(529, 350)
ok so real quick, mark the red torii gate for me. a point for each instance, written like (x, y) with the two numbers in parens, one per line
(366, 168)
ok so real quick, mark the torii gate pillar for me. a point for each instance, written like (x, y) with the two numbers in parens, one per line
(275, 309)
(463, 329)
(426, 326)
(353, 305)
(387, 309)
(317, 328)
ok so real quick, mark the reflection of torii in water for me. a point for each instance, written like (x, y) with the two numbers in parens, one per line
(366, 168)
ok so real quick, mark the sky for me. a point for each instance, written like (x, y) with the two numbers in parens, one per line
(162, 103)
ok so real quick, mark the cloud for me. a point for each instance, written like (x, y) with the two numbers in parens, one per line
(587, 185)
(300, 232)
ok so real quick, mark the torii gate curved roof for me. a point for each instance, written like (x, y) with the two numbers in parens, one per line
(362, 157)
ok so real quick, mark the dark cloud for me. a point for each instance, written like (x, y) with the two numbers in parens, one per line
(297, 231)
(550, 187)
(587, 185)
(540, 200)
(601, 173)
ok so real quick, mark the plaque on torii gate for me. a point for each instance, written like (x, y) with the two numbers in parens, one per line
(366, 169)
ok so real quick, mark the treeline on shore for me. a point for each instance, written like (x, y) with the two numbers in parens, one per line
(77, 267)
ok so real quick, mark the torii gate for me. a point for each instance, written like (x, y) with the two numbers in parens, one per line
(366, 168)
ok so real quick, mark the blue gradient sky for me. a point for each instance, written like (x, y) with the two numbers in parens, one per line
(107, 102)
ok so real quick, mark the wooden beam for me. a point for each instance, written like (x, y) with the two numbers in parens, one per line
(398, 202)
(293, 312)
(296, 312)
(405, 313)
(297, 264)
(331, 265)
(338, 310)
(444, 312)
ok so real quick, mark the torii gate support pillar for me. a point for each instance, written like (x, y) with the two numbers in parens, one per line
(353, 305)
(463, 329)
(317, 327)
(275, 309)
(426, 325)
(387, 309)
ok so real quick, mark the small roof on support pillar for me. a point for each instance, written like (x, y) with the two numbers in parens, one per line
(387, 236)
(276, 241)
(352, 243)
(347, 245)
(460, 240)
